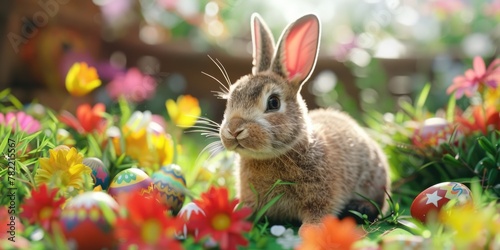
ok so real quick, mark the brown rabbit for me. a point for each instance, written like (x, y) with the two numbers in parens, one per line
(327, 156)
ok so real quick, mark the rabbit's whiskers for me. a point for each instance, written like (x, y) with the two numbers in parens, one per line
(224, 89)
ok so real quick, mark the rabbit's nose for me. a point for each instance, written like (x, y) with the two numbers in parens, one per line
(235, 126)
(235, 133)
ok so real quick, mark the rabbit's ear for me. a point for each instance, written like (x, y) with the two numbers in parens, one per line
(298, 50)
(263, 45)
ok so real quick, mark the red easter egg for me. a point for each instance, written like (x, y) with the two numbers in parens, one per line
(186, 212)
(434, 198)
(85, 224)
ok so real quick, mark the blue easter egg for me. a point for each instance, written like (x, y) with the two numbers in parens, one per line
(171, 185)
(100, 173)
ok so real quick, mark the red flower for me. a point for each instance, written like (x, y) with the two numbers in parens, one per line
(87, 118)
(474, 79)
(42, 207)
(147, 225)
(221, 222)
(482, 119)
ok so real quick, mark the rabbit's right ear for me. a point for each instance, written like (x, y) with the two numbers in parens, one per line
(263, 45)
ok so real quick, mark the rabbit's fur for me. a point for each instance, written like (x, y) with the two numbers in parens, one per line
(327, 156)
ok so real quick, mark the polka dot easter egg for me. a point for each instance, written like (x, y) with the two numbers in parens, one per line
(88, 221)
(171, 185)
(100, 172)
(434, 198)
(130, 180)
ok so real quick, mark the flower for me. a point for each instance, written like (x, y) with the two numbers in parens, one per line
(492, 97)
(147, 225)
(82, 79)
(132, 85)
(64, 169)
(146, 141)
(43, 207)
(184, 112)
(470, 226)
(87, 118)
(481, 120)
(474, 79)
(332, 233)
(221, 222)
(20, 120)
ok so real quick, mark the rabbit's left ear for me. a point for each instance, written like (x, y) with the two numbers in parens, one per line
(263, 45)
(297, 50)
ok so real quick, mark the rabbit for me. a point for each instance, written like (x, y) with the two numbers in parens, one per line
(325, 157)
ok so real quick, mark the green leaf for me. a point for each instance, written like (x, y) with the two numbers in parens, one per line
(4, 93)
(450, 160)
(266, 207)
(15, 102)
(278, 182)
(421, 100)
(450, 110)
(492, 176)
(5, 141)
(94, 148)
(486, 145)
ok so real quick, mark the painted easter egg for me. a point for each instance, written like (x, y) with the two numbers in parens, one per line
(129, 180)
(88, 221)
(171, 186)
(434, 198)
(186, 213)
(100, 173)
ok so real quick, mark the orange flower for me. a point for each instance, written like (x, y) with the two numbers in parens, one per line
(482, 119)
(221, 221)
(184, 112)
(87, 118)
(42, 207)
(147, 225)
(81, 79)
(332, 233)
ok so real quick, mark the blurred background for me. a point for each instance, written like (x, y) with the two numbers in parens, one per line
(374, 54)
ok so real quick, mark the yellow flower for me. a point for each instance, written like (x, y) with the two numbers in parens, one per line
(492, 97)
(184, 112)
(164, 147)
(145, 142)
(64, 169)
(82, 79)
(470, 226)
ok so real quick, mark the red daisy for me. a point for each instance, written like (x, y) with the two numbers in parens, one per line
(221, 222)
(147, 225)
(43, 207)
(87, 118)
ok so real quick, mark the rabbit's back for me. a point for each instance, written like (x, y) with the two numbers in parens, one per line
(350, 148)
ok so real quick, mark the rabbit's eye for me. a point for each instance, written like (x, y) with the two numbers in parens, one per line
(273, 103)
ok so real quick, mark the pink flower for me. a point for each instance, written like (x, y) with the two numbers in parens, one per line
(133, 85)
(20, 120)
(475, 78)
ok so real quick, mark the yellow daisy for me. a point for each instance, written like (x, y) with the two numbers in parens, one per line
(64, 169)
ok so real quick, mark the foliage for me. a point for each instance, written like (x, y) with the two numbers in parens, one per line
(459, 143)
